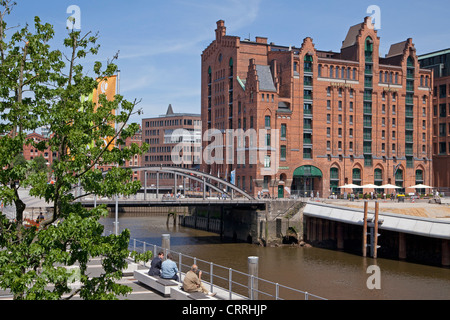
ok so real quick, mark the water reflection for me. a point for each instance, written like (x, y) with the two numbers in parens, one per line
(327, 273)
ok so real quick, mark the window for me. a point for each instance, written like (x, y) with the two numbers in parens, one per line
(351, 145)
(442, 110)
(307, 153)
(340, 145)
(283, 152)
(328, 131)
(442, 129)
(328, 104)
(266, 182)
(266, 161)
(328, 145)
(331, 71)
(283, 131)
(267, 122)
(328, 118)
(268, 140)
(442, 91)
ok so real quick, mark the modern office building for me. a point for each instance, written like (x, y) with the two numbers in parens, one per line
(340, 117)
(439, 62)
(174, 140)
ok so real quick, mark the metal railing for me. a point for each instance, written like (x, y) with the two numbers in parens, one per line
(237, 284)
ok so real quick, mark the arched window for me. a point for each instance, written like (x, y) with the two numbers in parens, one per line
(378, 177)
(334, 180)
(356, 176)
(410, 62)
(399, 178)
(368, 49)
(308, 60)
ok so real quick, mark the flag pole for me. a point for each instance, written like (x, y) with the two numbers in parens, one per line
(117, 164)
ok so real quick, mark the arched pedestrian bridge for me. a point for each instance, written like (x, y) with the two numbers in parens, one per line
(207, 180)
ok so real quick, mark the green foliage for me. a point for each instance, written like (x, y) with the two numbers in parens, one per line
(38, 88)
(144, 257)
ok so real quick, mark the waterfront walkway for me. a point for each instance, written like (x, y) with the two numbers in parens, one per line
(140, 291)
(419, 208)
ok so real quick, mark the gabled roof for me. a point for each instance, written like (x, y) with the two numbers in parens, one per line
(396, 49)
(352, 33)
(265, 78)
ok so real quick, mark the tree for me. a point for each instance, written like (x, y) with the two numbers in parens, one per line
(44, 87)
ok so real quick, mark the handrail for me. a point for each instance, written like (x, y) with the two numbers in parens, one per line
(230, 282)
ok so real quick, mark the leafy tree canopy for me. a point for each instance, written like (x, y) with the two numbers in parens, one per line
(41, 86)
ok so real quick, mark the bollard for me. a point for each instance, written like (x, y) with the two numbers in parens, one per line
(253, 273)
(364, 244)
(166, 244)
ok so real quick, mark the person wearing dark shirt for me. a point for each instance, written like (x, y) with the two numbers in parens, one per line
(155, 266)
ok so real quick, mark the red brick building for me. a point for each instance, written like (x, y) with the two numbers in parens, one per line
(30, 152)
(135, 161)
(342, 117)
(439, 62)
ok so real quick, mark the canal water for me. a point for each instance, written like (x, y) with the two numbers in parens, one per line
(333, 275)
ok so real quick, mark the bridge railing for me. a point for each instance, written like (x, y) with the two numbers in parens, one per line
(237, 284)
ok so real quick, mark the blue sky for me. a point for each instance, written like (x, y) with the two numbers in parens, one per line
(161, 42)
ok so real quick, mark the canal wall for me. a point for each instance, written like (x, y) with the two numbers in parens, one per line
(402, 237)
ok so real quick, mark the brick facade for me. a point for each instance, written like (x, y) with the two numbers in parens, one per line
(342, 117)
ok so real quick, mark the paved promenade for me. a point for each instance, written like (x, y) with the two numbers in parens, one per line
(419, 208)
(140, 291)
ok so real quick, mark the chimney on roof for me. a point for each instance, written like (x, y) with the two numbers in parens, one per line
(221, 30)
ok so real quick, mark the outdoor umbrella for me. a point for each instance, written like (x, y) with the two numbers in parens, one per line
(389, 186)
(421, 186)
(370, 186)
(350, 186)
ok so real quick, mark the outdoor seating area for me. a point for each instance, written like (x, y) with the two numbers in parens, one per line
(387, 191)
(169, 288)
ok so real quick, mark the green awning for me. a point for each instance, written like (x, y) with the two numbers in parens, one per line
(307, 171)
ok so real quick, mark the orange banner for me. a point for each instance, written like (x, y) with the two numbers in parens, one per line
(108, 87)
